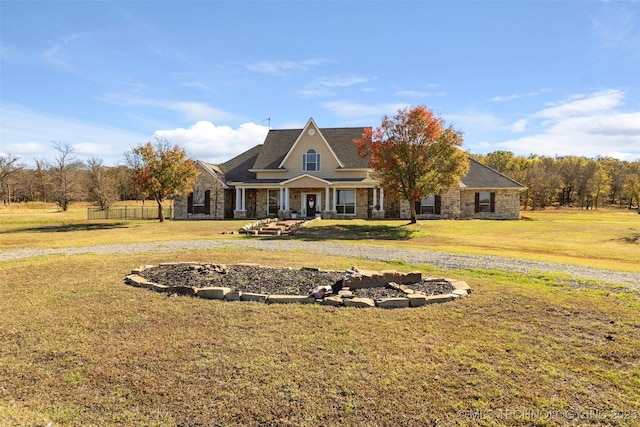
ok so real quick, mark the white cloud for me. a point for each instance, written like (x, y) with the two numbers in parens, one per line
(596, 103)
(324, 86)
(588, 126)
(206, 141)
(191, 110)
(616, 27)
(31, 134)
(519, 126)
(279, 68)
(501, 98)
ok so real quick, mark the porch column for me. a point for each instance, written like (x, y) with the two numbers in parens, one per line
(281, 199)
(326, 199)
(375, 197)
(238, 199)
(382, 199)
(244, 200)
(286, 198)
(335, 192)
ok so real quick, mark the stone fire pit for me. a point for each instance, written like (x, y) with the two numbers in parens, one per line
(252, 282)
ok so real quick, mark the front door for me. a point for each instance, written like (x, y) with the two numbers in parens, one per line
(312, 205)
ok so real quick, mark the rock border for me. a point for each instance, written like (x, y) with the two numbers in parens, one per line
(345, 298)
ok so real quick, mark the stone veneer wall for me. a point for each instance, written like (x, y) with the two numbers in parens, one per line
(449, 208)
(507, 205)
(206, 182)
(460, 203)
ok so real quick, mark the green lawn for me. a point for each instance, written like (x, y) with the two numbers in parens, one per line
(81, 348)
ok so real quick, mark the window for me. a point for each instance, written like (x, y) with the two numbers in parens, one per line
(274, 202)
(429, 205)
(199, 202)
(485, 201)
(311, 161)
(346, 202)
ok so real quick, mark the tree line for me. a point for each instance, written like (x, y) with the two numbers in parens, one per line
(569, 181)
(157, 171)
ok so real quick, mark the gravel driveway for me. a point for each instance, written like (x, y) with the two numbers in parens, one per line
(441, 260)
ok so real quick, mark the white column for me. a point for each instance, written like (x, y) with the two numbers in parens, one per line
(326, 199)
(286, 198)
(238, 199)
(244, 200)
(334, 198)
(375, 197)
(281, 199)
(382, 199)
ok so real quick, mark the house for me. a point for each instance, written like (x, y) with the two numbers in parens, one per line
(316, 171)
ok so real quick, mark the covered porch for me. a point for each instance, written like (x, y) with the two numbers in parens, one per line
(308, 196)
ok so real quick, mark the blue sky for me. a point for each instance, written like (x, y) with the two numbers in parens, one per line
(550, 78)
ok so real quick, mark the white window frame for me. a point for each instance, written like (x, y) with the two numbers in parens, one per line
(307, 161)
(428, 205)
(344, 206)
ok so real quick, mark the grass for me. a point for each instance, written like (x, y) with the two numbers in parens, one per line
(81, 348)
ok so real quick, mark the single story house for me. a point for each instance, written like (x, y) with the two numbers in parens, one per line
(316, 171)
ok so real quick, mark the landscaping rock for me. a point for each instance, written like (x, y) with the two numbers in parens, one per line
(435, 299)
(359, 302)
(182, 290)
(417, 300)
(233, 296)
(393, 303)
(459, 284)
(213, 292)
(334, 301)
(252, 296)
(290, 299)
(461, 293)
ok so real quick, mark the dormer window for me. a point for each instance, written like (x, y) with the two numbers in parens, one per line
(311, 161)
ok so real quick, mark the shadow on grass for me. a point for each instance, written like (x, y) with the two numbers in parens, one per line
(355, 232)
(633, 238)
(68, 227)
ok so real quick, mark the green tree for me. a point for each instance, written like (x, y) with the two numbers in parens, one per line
(161, 171)
(632, 189)
(414, 155)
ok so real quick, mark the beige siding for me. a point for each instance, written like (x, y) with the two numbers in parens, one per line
(328, 162)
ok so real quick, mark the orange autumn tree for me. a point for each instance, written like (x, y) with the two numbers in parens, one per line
(414, 155)
(161, 171)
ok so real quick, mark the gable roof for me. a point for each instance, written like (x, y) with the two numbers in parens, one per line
(279, 143)
(213, 170)
(237, 169)
(482, 176)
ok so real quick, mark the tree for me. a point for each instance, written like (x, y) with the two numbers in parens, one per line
(101, 185)
(65, 171)
(414, 155)
(8, 167)
(632, 189)
(161, 171)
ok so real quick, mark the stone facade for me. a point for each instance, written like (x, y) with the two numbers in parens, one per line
(460, 203)
(214, 209)
(507, 205)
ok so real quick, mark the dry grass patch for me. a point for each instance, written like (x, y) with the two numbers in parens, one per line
(82, 348)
